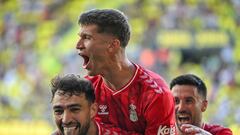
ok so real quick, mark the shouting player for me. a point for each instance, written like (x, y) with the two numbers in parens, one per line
(129, 96)
(190, 94)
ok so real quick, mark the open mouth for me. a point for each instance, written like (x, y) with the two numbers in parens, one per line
(73, 130)
(184, 119)
(86, 61)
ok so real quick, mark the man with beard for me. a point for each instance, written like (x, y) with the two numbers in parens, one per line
(190, 94)
(74, 107)
(129, 96)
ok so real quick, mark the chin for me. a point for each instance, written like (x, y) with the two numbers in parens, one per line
(72, 132)
(90, 73)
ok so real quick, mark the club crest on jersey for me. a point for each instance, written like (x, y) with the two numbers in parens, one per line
(103, 110)
(133, 113)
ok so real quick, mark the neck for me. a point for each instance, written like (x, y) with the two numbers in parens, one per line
(119, 75)
(93, 130)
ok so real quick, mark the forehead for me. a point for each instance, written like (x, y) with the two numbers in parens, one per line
(183, 91)
(92, 30)
(65, 99)
(89, 28)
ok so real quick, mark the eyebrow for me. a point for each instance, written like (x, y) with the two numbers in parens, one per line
(84, 34)
(192, 98)
(73, 105)
(68, 106)
(185, 98)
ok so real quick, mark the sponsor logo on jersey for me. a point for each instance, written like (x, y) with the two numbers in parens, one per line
(166, 130)
(103, 110)
(132, 113)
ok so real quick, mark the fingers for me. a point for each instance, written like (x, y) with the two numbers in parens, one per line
(190, 129)
(193, 130)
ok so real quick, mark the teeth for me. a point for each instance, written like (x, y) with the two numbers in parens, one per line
(182, 115)
(185, 120)
(68, 130)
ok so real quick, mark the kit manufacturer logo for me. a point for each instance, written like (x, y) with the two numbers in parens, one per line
(103, 110)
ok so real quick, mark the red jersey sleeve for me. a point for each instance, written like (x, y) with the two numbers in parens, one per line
(217, 129)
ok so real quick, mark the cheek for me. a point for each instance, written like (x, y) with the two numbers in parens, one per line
(58, 123)
(196, 109)
(88, 43)
(81, 117)
(57, 120)
(176, 108)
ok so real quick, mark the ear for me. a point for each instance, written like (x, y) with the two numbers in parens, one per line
(204, 105)
(115, 43)
(93, 110)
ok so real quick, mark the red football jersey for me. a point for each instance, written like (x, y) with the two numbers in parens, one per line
(144, 105)
(216, 129)
(106, 129)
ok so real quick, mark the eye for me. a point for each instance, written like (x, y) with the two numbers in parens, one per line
(176, 100)
(75, 110)
(85, 37)
(58, 111)
(189, 101)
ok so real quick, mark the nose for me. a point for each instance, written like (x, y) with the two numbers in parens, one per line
(67, 117)
(180, 106)
(79, 44)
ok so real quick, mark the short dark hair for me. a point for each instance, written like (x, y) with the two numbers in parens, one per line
(73, 85)
(110, 21)
(190, 79)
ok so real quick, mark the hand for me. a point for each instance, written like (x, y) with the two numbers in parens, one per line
(193, 130)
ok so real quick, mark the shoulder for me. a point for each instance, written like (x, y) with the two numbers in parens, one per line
(216, 129)
(155, 89)
(152, 81)
(107, 129)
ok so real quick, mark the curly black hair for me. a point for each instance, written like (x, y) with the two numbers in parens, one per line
(72, 85)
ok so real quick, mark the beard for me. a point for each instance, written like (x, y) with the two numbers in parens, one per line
(80, 129)
(84, 128)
